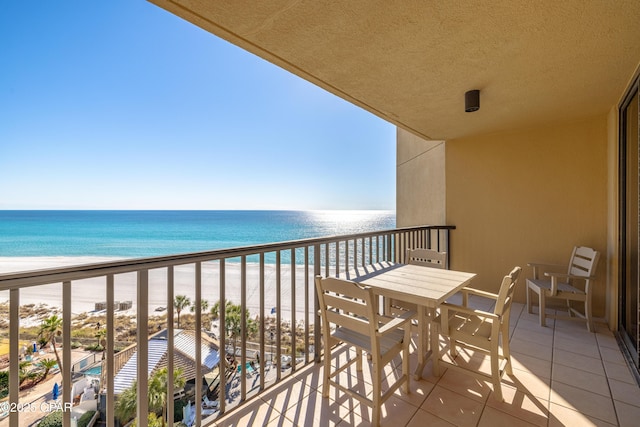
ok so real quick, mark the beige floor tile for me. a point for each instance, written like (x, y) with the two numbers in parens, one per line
(530, 384)
(628, 415)
(466, 385)
(519, 344)
(423, 418)
(419, 390)
(575, 360)
(586, 402)
(561, 416)
(492, 417)
(452, 407)
(581, 379)
(521, 405)
(396, 412)
(612, 355)
(282, 422)
(619, 372)
(287, 394)
(252, 414)
(625, 392)
(584, 348)
(525, 325)
(606, 339)
(316, 410)
(533, 365)
(573, 325)
(540, 336)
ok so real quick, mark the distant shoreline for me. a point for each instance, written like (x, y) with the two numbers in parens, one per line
(86, 293)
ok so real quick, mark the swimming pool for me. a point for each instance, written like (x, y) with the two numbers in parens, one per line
(93, 371)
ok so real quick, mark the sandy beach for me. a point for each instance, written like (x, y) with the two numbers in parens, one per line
(86, 293)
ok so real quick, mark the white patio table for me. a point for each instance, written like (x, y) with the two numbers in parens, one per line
(424, 286)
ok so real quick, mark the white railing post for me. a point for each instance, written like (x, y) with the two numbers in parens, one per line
(198, 338)
(110, 374)
(143, 348)
(14, 355)
(170, 345)
(67, 384)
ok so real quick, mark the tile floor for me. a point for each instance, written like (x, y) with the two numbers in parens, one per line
(563, 376)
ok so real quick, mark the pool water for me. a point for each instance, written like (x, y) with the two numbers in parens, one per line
(94, 370)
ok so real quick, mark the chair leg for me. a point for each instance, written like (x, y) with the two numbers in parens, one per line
(377, 390)
(359, 360)
(505, 350)
(588, 314)
(495, 370)
(542, 308)
(327, 369)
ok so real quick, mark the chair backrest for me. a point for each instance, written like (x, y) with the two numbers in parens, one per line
(346, 304)
(427, 258)
(583, 261)
(505, 295)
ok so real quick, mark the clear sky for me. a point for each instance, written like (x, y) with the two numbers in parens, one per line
(122, 105)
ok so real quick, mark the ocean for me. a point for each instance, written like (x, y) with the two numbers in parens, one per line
(59, 233)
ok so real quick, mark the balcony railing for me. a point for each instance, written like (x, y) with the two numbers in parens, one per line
(280, 274)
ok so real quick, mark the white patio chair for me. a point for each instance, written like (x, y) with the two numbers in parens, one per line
(566, 286)
(349, 316)
(480, 331)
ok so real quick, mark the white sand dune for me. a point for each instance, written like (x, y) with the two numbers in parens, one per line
(86, 293)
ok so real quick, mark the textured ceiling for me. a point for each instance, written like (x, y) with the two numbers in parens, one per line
(410, 62)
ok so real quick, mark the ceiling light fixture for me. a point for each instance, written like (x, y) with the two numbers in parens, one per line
(472, 100)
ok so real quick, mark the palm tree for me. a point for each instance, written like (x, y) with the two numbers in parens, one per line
(127, 405)
(181, 302)
(215, 311)
(50, 328)
(23, 372)
(158, 390)
(47, 365)
(204, 306)
(233, 323)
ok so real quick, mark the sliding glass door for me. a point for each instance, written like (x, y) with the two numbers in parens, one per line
(629, 316)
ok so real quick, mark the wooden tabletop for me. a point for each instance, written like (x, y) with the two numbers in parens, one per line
(424, 286)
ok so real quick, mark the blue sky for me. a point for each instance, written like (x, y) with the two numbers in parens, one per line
(122, 105)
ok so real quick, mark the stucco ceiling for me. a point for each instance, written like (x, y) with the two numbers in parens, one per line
(411, 61)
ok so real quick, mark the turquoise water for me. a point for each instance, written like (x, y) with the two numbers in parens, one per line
(94, 371)
(153, 233)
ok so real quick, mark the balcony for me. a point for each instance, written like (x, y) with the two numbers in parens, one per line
(271, 284)
(563, 375)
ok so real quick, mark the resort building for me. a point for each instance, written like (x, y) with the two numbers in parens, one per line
(184, 355)
(542, 159)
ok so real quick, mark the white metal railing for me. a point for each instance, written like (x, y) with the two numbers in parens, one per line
(266, 264)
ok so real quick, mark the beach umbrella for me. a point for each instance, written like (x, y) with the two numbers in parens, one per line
(56, 391)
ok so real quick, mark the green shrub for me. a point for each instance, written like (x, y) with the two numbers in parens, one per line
(85, 418)
(54, 419)
(177, 410)
(4, 384)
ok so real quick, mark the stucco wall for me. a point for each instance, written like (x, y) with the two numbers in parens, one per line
(420, 195)
(528, 195)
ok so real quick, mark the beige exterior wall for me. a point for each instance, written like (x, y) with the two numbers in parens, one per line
(528, 195)
(420, 195)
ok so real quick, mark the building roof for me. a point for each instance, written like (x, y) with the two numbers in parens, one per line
(184, 357)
